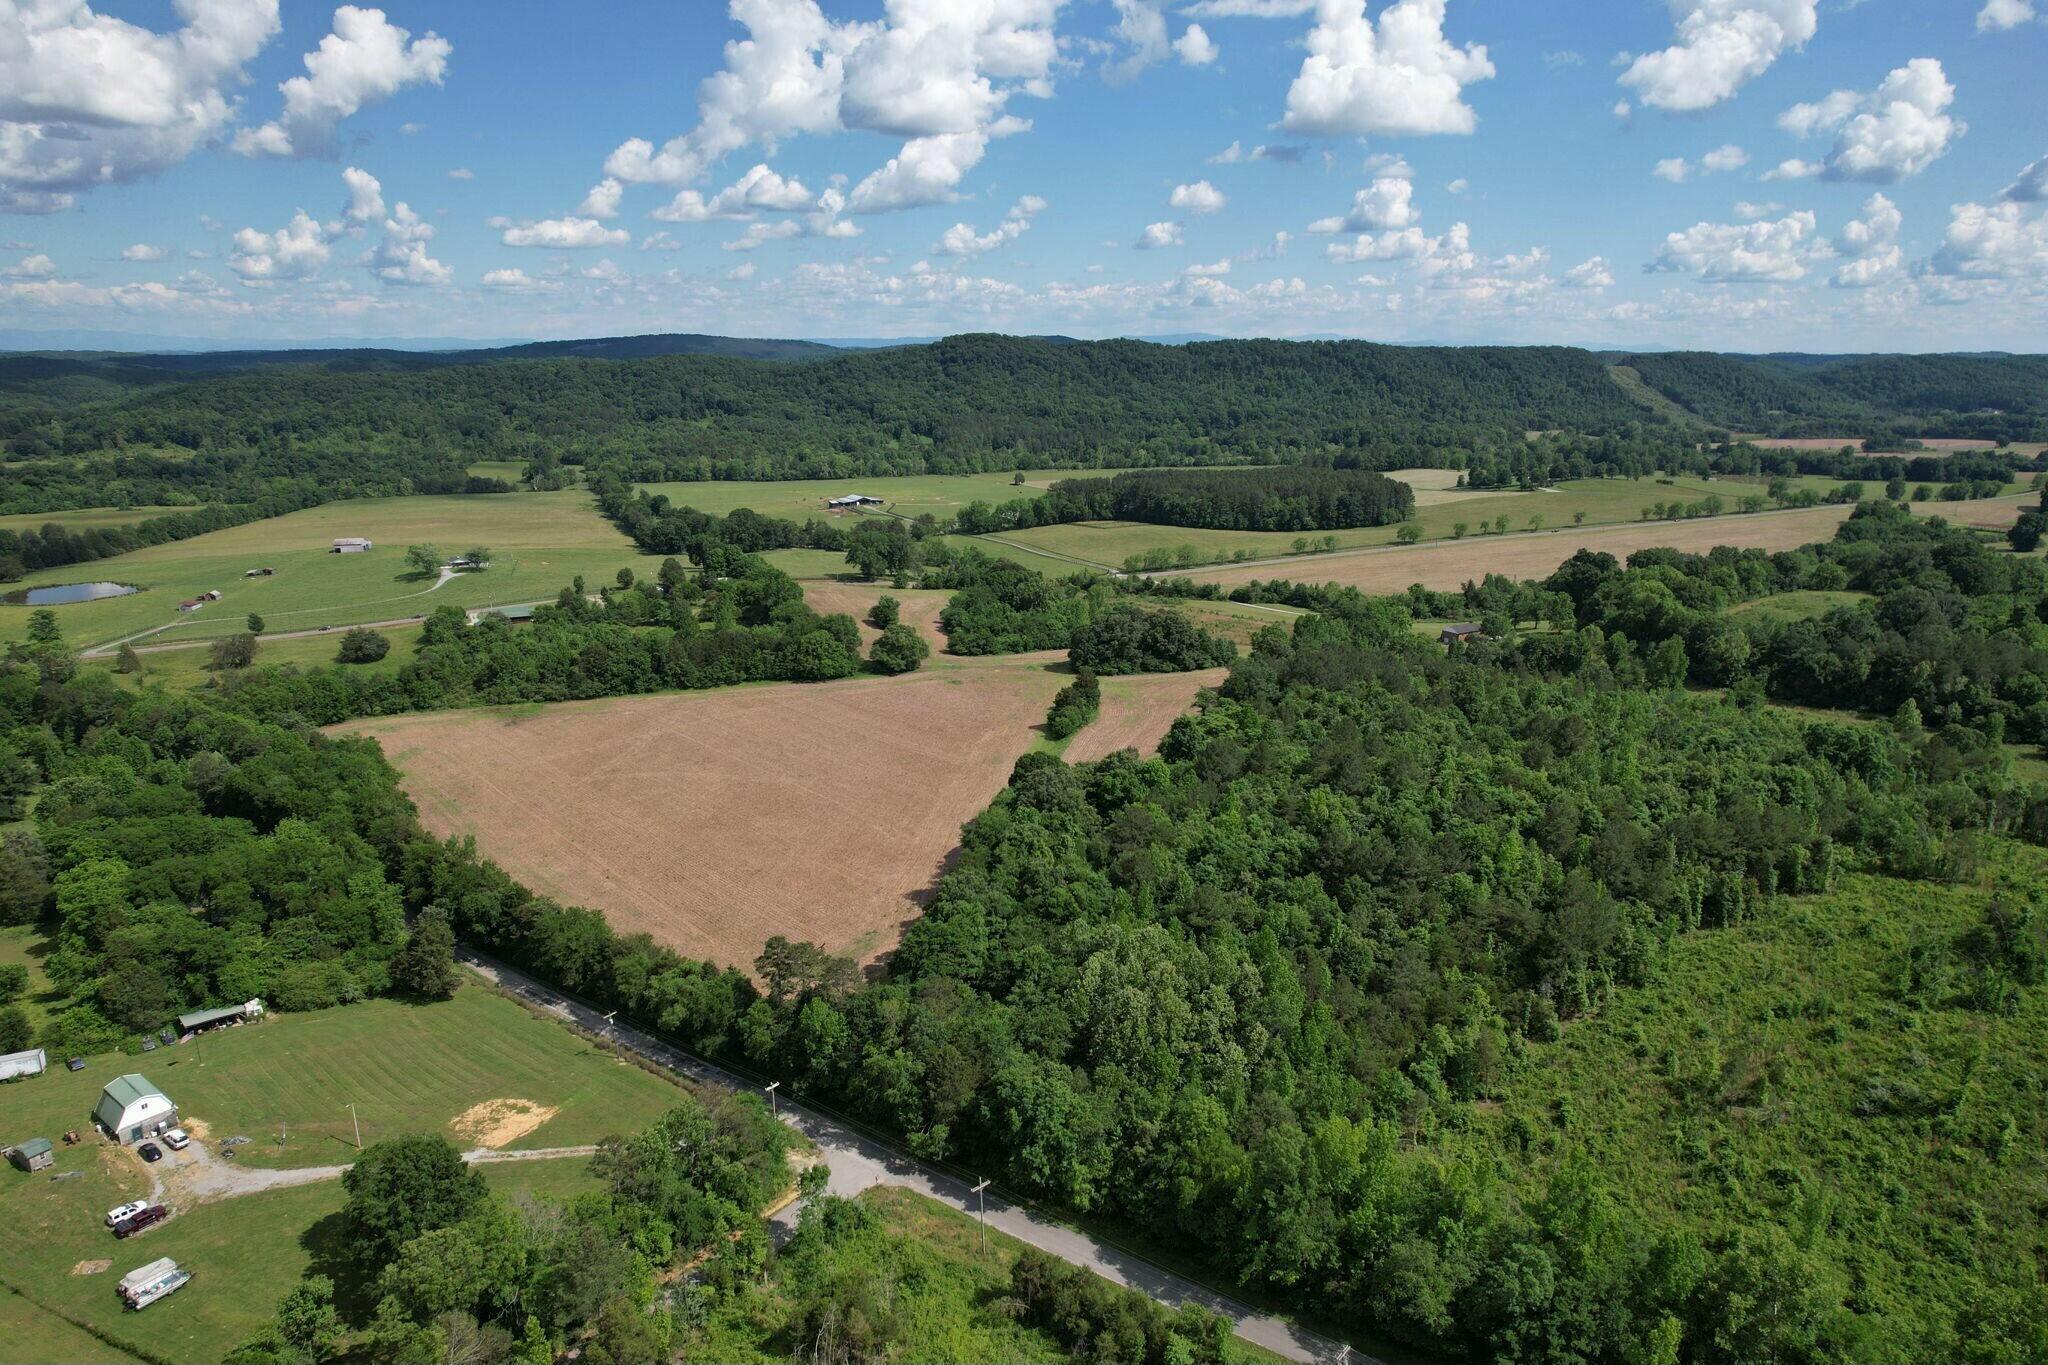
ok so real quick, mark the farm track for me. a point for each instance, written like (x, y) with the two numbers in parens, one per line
(861, 1161)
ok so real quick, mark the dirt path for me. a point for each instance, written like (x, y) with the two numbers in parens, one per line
(197, 1176)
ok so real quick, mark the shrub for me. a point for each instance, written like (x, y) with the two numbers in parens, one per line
(363, 646)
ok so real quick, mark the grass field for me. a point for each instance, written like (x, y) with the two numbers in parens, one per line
(1820, 1067)
(186, 667)
(244, 1254)
(85, 519)
(22, 944)
(541, 540)
(1137, 711)
(1451, 565)
(1603, 501)
(1796, 606)
(909, 495)
(406, 1068)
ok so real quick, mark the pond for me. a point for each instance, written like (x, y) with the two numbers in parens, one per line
(57, 594)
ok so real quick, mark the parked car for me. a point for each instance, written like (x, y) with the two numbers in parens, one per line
(177, 1139)
(148, 1218)
(124, 1211)
(149, 1151)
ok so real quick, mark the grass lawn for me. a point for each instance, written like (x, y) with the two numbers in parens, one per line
(1796, 606)
(541, 541)
(21, 943)
(407, 1068)
(34, 1336)
(244, 1254)
(944, 1288)
(187, 668)
(1821, 1066)
(1237, 621)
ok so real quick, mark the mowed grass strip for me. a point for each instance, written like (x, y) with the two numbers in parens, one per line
(406, 1068)
(541, 542)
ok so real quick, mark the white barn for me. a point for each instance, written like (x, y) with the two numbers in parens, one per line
(130, 1108)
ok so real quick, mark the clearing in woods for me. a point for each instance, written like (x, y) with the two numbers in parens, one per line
(714, 820)
(1137, 711)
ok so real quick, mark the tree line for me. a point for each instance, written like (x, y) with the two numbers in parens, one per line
(1283, 498)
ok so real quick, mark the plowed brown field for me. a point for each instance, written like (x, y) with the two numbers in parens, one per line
(914, 607)
(1138, 711)
(1445, 566)
(712, 820)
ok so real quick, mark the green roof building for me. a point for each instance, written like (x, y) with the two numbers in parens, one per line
(130, 1108)
(32, 1155)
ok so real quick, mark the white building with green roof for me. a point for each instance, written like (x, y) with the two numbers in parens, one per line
(130, 1108)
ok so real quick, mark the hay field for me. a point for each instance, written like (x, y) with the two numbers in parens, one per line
(915, 607)
(1450, 566)
(1995, 514)
(713, 820)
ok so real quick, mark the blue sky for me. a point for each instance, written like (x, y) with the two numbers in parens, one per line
(1733, 174)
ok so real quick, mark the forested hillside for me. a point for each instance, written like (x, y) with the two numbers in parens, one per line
(1992, 397)
(968, 402)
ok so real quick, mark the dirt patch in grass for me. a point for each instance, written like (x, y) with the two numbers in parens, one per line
(1446, 566)
(99, 1267)
(501, 1122)
(1138, 711)
(713, 820)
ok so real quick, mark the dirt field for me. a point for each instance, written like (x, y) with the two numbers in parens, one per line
(713, 820)
(1996, 514)
(1445, 567)
(918, 608)
(1138, 711)
(1936, 445)
(1434, 487)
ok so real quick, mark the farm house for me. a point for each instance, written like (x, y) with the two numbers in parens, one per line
(17, 1066)
(854, 500)
(351, 545)
(130, 1108)
(33, 1155)
(198, 1021)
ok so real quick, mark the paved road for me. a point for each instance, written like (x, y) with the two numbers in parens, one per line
(859, 1162)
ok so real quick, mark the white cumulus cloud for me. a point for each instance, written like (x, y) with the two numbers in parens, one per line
(1870, 246)
(143, 251)
(1400, 76)
(291, 252)
(1199, 197)
(1721, 46)
(365, 59)
(565, 233)
(365, 195)
(1780, 250)
(89, 99)
(36, 267)
(1157, 235)
(1388, 202)
(1884, 135)
(1998, 15)
(1993, 241)
(760, 188)
(1591, 273)
(962, 240)
(2030, 186)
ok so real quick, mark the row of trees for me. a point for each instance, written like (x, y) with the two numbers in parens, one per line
(1282, 498)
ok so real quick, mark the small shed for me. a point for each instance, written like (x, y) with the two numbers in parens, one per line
(351, 545)
(32, 1155)
(198, 1021)
(1457, 634)
(854, 500)
(130, 1108)
(16, 1066)
(191, 604)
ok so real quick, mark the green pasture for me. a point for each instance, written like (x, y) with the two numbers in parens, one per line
(540, 541)
(1821, 1067)
(244, 1254)
(22, 944)
(85, 519)
(188, 667)
(406, 1067)
(908, 495)
(1603, 501)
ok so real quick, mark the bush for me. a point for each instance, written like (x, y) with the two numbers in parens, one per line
(1079, 702)
(885, 613)
(363, 646)
(236, 651)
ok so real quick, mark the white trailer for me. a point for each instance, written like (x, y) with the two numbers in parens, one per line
(144, 1285)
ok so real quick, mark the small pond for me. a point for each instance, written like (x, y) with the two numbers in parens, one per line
(57, 594)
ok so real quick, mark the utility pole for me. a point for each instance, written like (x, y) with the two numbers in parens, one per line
(606, 1031)
(773, 1107)
(359, 1126)
(977, 1192)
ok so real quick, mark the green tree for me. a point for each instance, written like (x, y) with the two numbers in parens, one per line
(307, 1320)
(479, 556)
(1409, 533)
(15, 1030)
(423, 560)
(899, 650)
(885, 613)
(24, 877)
(2026, 533)
(126, 660)
(361, 645)
(233, 651)
(425, 967)
(1458, 530)
(13, 982)
(43, 628)
(255, 624)
(402, 1187)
